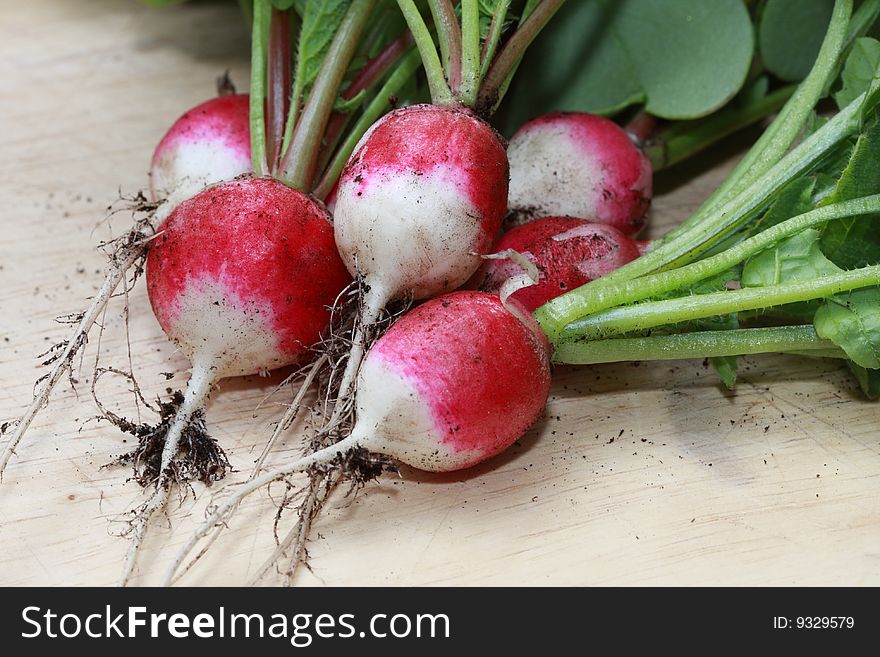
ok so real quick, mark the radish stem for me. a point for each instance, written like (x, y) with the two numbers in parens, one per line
(278, 83)
(449, 36)
(699, 344)
(496, 27)
(650, 314)
(493, 84)
(259, 37)
(300, 160)
(602, 297)
(470, 52)
(788, 125)
(440, 92)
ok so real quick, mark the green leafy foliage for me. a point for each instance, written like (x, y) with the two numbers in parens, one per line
(798, 258)
(869, 380)
(794, 199)
(726, 368)
(681, 58)
(852, 322)
(860, 69)
(790, 33)
(320, 20)
(852, 243)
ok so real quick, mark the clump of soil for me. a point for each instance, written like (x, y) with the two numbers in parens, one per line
(199, 458)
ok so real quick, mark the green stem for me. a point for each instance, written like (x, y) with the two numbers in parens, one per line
(601, 297)
(687, 138)
(699, 344)
(300, 160)
(449, 36)
(440, 92)
(470, 52)
(650, 314)
(260, 36)
(497, 77)
(788, 125)
(404, 71)
(494, 36)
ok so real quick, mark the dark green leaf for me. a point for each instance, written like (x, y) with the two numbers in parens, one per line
(282, 5)
(790, 33)
(726, 368)
(794, 199)
(320, 19)
(852, 322)
(852, 243)
(869, 380)
(682, 58)
(859, 70)
(798, 258)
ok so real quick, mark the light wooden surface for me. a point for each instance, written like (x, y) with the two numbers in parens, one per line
(638, 475)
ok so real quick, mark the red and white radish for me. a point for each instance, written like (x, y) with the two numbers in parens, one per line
(452, 383)
(567, 252)
(208, 144)
(241, 277)
(579, 165)
(424, 192)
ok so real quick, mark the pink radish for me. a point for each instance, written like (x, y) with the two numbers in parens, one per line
(425, 190)
(568, 253)
(210, 143)
(579, 165)
(241, 277)
(452, 383)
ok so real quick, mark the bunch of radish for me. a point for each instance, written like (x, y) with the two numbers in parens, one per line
(244, 264)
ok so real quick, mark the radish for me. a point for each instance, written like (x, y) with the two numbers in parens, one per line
(578, 165)
(568, 253)
(210, 143)
(452, 383)
(231, 279)
(424, 191)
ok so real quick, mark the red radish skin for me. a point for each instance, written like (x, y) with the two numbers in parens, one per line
(579, 165)
(452, 383)
(567, 252)
(208, 144)
(426, 186)
(241, 277)
(253, 252)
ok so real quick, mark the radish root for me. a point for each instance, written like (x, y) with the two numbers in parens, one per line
(129, 251)
(170, 472)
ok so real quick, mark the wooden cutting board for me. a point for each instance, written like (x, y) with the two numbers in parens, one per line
(639, 474)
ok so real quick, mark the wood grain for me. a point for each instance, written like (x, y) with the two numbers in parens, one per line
(645, 474)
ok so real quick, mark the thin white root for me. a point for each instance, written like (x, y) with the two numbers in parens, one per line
(290, 414)
(196, 391)
(285, 422)
(64, 361)
(374, 301)
(222, 513)
(122, 261)
(298, 533)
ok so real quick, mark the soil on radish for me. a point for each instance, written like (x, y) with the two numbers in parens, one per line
(200, 457)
